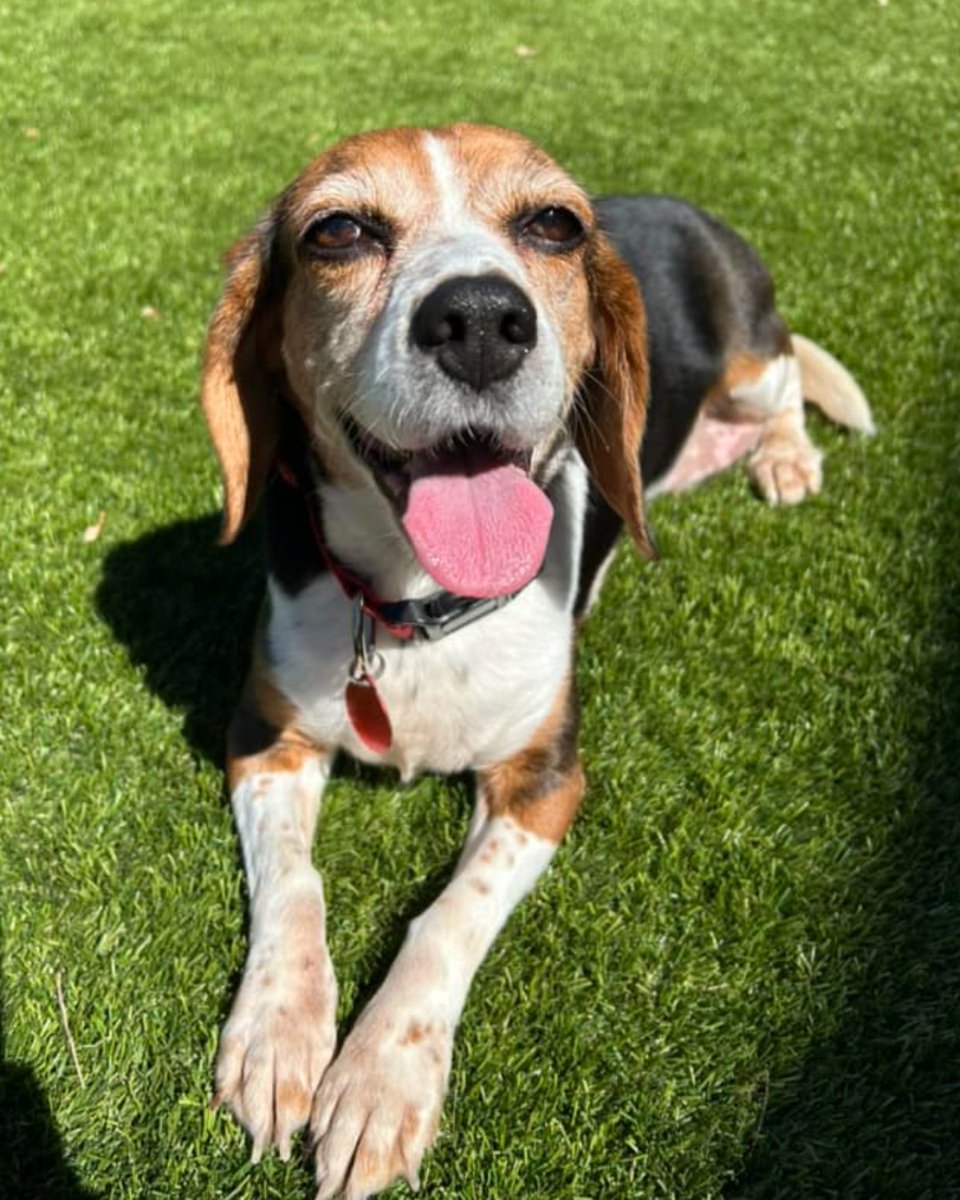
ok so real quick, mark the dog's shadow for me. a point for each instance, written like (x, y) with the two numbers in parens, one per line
(33, 1163)
(185, 609)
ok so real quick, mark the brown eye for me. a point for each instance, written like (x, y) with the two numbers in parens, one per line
(554, 228)
(340, 235)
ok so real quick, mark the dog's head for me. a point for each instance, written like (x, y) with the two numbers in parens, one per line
(440, 307)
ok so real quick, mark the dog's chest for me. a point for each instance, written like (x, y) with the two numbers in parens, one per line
(466, 701)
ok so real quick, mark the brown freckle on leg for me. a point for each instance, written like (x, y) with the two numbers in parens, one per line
(267, 981)
(308, 962)
(479, 886)
(414, 1034)
(410, 1123)
(522, 838)
(365, 1163)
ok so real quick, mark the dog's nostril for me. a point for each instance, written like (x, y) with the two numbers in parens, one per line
(519, 327)
(478, 328)
(455, 328)
(436, 332)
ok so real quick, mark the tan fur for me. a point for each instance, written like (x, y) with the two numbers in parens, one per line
(382, 170)
(541, 787)
(611, 421)
(265, 707)
(741, 369)
(238, 387)
(288, 754)
(828, 384)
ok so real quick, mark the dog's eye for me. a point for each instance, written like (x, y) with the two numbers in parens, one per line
(554, 228)
(340, 235)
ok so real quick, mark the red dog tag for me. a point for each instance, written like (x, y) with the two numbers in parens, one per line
(364, 706)
(367, 714)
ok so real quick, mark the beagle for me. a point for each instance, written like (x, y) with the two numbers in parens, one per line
(431, 360)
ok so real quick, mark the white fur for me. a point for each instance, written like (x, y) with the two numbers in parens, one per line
(281, 1033)
(827, 383)
(467, 701)
(451, 194)
(763, 419)
(776, 389)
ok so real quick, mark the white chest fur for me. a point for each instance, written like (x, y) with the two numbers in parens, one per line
(466, 701)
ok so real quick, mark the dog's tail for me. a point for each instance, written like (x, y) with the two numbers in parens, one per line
(828, 384)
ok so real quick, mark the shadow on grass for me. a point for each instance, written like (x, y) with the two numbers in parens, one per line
(874, 1110)
(185, 609)
(33, 1165)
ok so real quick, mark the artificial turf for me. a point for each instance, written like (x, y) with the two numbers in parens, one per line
(741, 977)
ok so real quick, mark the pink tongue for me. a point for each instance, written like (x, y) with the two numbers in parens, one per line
(479, 527)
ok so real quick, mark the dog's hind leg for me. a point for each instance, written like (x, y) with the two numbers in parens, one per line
(785, 465)
(281, 1031)
(755, 409)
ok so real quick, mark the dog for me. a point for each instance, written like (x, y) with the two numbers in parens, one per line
(431, 364)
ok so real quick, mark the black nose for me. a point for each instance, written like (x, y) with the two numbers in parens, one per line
(478, 327)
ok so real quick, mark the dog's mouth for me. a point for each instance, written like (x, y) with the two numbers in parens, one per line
(477, 522)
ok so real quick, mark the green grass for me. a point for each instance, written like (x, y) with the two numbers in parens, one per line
(741, 977)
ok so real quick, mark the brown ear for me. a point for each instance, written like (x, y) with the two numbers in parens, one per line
(612, 405)
(241, 376)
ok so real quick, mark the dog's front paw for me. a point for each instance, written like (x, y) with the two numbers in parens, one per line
(786, 469)
(278, 1041)
(378, 1108)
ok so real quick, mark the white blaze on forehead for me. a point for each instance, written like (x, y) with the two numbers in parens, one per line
(460, 242)
(451, 196)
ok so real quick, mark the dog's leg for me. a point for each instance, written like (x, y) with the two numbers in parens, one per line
(378, 1106)
(785, 466)
(756, 409)
(281, 1032)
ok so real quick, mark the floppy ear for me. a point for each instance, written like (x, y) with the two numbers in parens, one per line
(242, 370)
(612, 404)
